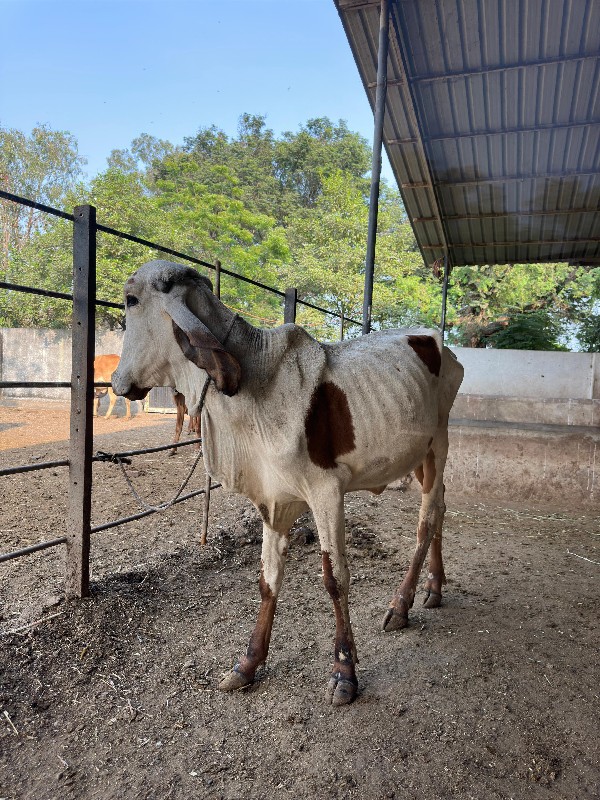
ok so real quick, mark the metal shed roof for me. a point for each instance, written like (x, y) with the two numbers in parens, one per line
(492, 123)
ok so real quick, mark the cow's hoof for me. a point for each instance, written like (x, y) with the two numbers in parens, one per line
(234, 680)
(340, 692)
(432, 599)
(394, 620)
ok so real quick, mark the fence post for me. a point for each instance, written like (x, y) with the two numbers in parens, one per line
(205, 510)
(218, 279)
(77, 568)
(206, 505)
(342, 320)
(289, 309)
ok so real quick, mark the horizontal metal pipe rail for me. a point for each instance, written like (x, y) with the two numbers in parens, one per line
(65, 462)
(35, 548)
(60, 295)
(146, 513)
(46, 385)
(157, 449)
(35, 384)
(33, 467)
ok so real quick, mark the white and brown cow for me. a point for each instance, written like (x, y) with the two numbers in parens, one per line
(294, 424)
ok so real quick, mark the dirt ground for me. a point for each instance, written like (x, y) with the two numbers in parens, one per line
(493, 696)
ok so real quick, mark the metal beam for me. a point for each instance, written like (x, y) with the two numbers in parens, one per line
(483, 180)
(452, 76)
(498, 132)
(524, 243)
(518, 212)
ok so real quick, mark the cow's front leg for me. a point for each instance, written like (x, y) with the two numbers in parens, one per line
(342, 685)
(112, 398)
(431, 516)
(274, 551)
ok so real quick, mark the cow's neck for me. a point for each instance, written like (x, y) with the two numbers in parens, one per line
(239, 337)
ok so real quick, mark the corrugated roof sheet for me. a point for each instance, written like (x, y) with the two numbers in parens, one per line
(492, 123)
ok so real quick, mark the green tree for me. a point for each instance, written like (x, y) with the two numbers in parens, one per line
(328, 244)
(44, 167)
(304, 160)
(122, 202)
(485, 298)
(589, 331)
(532, 330)
(212, 222)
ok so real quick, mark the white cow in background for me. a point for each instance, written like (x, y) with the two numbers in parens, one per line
(293, 425)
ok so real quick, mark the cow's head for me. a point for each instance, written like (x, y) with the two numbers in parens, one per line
(162, 334)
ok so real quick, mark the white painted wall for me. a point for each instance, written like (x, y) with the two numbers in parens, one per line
(34, 354)
(42, 354)
(529, 373)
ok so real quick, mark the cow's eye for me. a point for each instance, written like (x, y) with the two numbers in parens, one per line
(131, 300)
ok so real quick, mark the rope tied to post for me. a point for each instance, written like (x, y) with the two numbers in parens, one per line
(116, 458)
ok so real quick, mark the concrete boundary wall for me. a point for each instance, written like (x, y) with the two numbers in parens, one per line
(38, 354)
(530, 373)
(531, 464)
(44, 354)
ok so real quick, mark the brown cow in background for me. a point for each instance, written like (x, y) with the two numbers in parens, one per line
(104, 366)
(194, 424)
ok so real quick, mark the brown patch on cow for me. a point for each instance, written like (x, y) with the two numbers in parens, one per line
(377, 489)
(328, 426)
(264, 512)
(429, 472)
(427, 350)
(258, 646)
(344, 658)
(329, 578)
(419, 474)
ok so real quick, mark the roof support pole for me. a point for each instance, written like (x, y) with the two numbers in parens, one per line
(444, 294)
(380, 95)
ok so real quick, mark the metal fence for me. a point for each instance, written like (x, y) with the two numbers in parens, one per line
(81, 458)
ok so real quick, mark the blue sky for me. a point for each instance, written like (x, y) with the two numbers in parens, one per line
(108, 70)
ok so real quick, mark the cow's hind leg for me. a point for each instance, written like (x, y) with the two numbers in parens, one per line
(342, 687)
(429, 532)
(435, 576)
(274, 551)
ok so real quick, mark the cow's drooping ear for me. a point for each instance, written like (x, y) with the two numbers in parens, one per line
(200, 346)
(206, 352)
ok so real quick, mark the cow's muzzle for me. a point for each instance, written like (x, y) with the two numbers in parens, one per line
(136, 393)
(124, 388)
